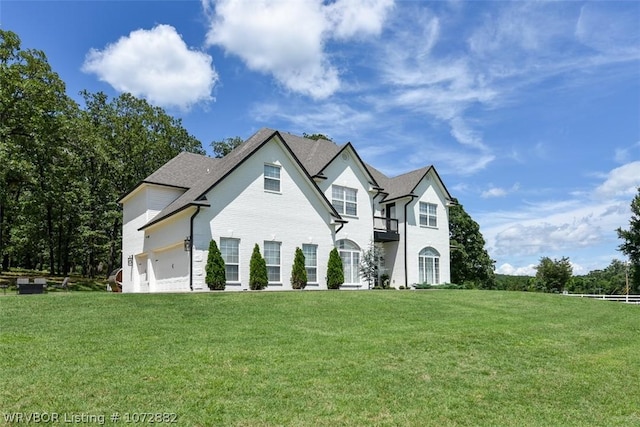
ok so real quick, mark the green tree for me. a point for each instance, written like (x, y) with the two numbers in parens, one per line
(335, 270)
(224, 147)
(258, 278)
(631, 245)
(37, 133)
(553, 275)
(470, 261)
(216, 276)
(316, 136)
(298, 271)
(370, 264)
(130, 139)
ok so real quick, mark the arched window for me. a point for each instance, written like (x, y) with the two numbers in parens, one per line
(350, 255)
(429, 266)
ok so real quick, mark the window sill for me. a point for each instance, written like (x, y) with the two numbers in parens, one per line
(273, 192)
(350, 216)
(429, 227)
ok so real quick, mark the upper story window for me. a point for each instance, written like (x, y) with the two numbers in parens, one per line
(428, 214)
(272, 178)
(345, 200)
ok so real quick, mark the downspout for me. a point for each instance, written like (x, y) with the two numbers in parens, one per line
(406, 266)
(191, 248)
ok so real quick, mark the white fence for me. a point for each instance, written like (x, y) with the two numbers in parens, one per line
(629, 299)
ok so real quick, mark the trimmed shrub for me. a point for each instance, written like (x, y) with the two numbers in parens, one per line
(298, 272)
(258, 278)
(335, 272)
(216, 277)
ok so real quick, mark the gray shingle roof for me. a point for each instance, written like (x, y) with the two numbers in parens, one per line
(197, 174)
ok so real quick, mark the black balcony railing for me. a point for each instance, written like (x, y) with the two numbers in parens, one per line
(385, 229)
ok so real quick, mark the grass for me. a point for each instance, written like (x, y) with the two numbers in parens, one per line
(427, 358)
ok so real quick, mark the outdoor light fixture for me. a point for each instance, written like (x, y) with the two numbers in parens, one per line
(130, 261)
(187, 243)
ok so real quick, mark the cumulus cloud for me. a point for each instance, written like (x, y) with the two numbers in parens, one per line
(506, 268)
(286, 38)
(621, 181)
(155, 64)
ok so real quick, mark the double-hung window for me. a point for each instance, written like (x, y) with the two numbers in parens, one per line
(428, 214)
(311, 262)
(272, 178)
(230, 250)
(345, 200)
(272, 257)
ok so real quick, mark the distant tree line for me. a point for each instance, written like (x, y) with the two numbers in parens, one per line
(63, 166)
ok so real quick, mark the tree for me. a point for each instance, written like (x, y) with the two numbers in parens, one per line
(470, 261)
(316, 136)
(216, 277)
(370, 263)
(335, 270)
(553, 275)
(258, 278)
(631, 245)
(224, 147)
(298, 271)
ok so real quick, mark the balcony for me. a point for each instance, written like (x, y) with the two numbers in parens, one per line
(385, 229)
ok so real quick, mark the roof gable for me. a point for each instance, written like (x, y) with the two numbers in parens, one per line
(201, 185)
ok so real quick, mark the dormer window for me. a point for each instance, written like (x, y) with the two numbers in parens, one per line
(272, 178)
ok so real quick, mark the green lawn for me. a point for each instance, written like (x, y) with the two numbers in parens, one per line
(328, 358)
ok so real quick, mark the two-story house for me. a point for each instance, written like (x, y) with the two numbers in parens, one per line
(281, 191)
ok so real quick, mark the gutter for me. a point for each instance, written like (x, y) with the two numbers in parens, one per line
(406, 266)
(191, 248)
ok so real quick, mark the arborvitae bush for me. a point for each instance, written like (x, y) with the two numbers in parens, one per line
(216, 277)
(335, 272)
(298, 272)
(258, 278)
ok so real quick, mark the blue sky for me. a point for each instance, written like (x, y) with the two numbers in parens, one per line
(530, 111)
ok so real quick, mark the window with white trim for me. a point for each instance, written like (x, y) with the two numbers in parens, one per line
(230, 250)
(350, 255)
(429, 266)
(272, 178)
(428, 214)
(345, 200)
(311, 262)
(272, 258)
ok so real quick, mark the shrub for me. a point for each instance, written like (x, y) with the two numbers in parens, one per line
(258, 278)
(216, 277)
(335, 272)
(298, 272)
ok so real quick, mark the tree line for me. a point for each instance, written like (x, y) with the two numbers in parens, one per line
(63, 166)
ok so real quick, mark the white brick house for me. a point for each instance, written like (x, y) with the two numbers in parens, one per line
(281, 192)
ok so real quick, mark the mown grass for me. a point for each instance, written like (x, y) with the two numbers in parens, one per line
(423, 358)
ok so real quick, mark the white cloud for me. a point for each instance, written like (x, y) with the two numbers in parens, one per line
(353, 18)
(621, 181)
(494, 192)
(499, 192)
(585, 220)
(506, 268)
(155, 64)
(286, 38)
(607, 28)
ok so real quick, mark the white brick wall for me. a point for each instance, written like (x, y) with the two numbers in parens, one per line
(242, 209)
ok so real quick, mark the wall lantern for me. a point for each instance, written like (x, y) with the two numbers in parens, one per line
(187, 243)
(130, 261)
